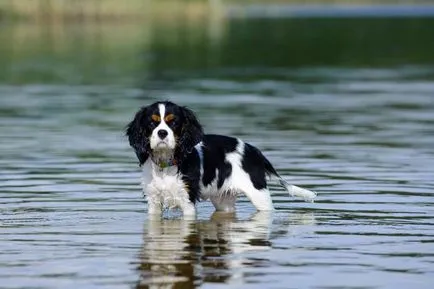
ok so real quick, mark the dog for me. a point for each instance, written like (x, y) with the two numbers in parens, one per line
(182, 165)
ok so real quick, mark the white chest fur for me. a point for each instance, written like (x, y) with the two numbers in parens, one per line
(164, 188)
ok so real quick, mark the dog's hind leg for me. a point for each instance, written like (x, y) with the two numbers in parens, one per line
(225, 201)
(261, 199)
(256, 191)
(248, 175)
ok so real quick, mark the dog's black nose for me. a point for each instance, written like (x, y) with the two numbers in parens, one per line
(162, 133)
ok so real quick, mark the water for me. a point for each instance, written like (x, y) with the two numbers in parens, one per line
(353, 123)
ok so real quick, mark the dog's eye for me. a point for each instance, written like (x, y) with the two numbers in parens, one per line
(169, 118)
(155, 118)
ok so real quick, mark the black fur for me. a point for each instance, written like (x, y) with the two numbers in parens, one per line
(191, 134)
(214, 150)
(254, 163)
(138, 131)
(190, 170)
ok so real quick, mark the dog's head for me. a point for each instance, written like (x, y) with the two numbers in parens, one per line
(164, 128)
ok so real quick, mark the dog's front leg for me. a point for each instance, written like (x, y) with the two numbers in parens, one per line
(155, 207)
(188, 210)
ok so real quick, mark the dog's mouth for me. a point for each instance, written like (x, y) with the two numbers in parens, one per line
(161, 145)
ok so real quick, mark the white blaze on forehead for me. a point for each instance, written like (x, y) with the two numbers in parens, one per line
(162, 109)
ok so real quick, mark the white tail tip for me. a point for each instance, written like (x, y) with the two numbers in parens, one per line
(295, 191)
(307, 195)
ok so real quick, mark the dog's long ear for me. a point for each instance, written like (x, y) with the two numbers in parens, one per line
(191, 134)
(136, 132)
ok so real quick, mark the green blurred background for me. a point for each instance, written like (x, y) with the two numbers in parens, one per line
(129, 42)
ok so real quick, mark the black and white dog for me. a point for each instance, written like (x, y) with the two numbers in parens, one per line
(182, 165)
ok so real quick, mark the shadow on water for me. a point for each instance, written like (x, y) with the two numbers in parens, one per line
(179, 253)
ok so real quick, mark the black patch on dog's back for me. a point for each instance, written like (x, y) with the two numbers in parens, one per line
(254, 163)
(215, 148)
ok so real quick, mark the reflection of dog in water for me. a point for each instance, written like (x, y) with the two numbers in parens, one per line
(179, 253)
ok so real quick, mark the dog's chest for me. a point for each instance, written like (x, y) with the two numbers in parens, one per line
(164, 185)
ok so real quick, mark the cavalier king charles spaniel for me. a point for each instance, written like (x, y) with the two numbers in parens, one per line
(182, 165)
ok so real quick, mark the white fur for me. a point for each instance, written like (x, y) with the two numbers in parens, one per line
(307, 195)
(295, 191)
(164, 188)
(169, 141)
(238, 182)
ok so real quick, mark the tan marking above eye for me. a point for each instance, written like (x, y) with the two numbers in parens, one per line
(169, 117)
(156, 118)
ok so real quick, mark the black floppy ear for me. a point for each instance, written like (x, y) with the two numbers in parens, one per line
(191, 133)
(136, 132)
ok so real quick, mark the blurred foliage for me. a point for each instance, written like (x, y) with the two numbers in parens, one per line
(134, 10)
(169, 44)
(96, 10)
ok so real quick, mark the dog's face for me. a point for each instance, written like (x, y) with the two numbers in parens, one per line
(164, 127)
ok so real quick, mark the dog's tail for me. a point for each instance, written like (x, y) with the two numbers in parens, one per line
(293, 191)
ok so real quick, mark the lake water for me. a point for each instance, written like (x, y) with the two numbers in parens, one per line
(342, 106)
